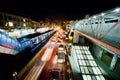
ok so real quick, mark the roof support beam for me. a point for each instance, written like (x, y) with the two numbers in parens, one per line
(102, 43)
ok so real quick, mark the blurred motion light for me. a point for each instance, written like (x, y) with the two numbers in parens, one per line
(47, 54)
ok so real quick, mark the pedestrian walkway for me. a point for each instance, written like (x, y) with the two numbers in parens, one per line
(83, 64)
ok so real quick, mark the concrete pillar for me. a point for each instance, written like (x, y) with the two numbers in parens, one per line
(98, 51)
(113, 62)
(81, 40)
(76, 37)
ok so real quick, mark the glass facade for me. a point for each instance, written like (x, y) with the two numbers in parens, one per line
(86, 63)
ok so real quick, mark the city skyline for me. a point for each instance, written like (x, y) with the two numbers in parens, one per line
(62, 10)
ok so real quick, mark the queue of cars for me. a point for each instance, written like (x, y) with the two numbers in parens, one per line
(61, 51)
(61, 57)
(56, 72)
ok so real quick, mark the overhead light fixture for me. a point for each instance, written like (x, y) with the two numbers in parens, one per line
(117, 10)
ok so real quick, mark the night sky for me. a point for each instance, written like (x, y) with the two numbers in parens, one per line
(57, 9)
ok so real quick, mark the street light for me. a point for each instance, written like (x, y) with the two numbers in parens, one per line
(15, 75)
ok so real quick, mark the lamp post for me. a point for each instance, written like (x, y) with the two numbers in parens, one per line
(15, 75)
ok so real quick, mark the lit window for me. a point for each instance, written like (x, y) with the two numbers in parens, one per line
(94, 70)
(87, 63)
(89, 77)
(80, 63)
(91, 63)
(82, 69)
(10, 24)
(89, 57)
(98, 78)
(85, 77)
(102, 78)
(81, 57)
(80, 47)
(80, 52)
(86, 70)
(24, 20)
(24, 24)
(94, 63)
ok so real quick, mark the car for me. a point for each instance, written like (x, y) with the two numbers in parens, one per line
(60, 47)
(56, 73)
(53, 40)
(59, 42)
(61, 57)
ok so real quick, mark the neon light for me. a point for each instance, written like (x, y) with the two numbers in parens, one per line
(80, 62)
(82, 69)
(99, 72)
